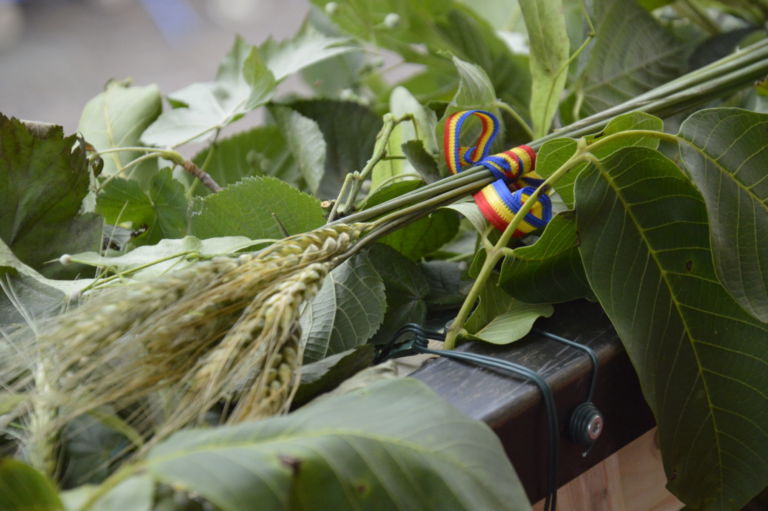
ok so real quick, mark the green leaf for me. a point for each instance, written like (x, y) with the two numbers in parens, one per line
(448, 284)
(43, 180)
(243, 82)
(162, 211)
(468, 209)
(419, 129)
(116, 118)
(554, 153)
(550, 157)
(347, 310)
(475, 89)
(405, 287)
(700, 358)
(402, 103)
(550, 270)
(256, 207)
(256, 152)
(26, 294)
(167, 254)
(307, 47)
(133, 494)
(349, 131)
(414, 25)
(361, 450)
(421, 161)
(727, 156)
(548, 40)
(306, 143)
(627, 122)
(326, 374)
(22, 488)
(472, 39)
(631, 53)
(501, 319)
(422, 237)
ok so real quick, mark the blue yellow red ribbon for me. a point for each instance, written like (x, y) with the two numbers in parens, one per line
(514, 170)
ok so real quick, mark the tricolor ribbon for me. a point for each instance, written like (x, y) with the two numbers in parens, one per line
(516, 180)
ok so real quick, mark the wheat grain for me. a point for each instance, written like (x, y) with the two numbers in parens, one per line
(197, 324)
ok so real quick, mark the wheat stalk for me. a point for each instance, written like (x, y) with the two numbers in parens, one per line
(230, 322)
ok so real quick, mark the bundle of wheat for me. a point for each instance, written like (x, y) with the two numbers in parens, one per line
(224, 329)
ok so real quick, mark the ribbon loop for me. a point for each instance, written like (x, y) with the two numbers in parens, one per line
(513, 169)
(456, 156)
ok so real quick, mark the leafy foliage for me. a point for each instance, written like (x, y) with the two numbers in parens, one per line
(256, 207)
(115, 119)
(346, 312)
(727, 157)
(702, 366)
(44, 178)
(23, 488)
(402, 427)
(160, 212)
(671, 250)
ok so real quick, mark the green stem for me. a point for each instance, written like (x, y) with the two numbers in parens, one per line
(125, 273)
(496, 253)
(353, 181)
(127, 166)
(206, 162)
(516, 116)
(178, 159)
(132, 149)
(669, 137)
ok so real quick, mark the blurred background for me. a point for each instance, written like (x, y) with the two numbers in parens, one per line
(57, 54)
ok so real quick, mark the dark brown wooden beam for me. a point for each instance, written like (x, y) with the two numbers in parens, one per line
(513, 407)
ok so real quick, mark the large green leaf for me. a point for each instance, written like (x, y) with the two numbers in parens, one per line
(308, 47)
(392, 445)
(550, 270)
(727, 158)
(115, 118)
(22, 488)
(347, 310)
(161, 212)
(501, 319)
(256, 207)
(548, 39)
(256, 152)
(44, 177)
(243, 82)
(631, 54)
(700, 358)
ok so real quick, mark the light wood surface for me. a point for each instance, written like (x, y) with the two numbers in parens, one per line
(632, 479)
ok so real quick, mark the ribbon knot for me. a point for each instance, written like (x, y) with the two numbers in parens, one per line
(513, 169)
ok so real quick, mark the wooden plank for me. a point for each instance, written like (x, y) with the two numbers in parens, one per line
(512, 406)
(631, 479)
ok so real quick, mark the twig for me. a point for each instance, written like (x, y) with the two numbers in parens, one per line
(199, 173)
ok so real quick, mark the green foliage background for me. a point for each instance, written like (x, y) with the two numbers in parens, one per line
(661, 219)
